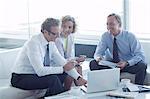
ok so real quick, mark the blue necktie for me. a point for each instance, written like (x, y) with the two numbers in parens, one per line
(115, 52)
(46, 57)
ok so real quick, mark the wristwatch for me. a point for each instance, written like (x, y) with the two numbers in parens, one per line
(127, 63)
(78, 78)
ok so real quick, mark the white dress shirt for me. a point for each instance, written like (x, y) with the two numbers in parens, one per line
(31, 57)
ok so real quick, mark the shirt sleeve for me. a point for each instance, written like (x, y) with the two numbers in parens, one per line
(71, 47)
(35, 57)
(57, 57)
(73, 73)
(101, 48)
(137, 50)
(61, 61)
(73, 51)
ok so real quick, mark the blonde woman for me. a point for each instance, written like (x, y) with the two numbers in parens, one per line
(65, 45)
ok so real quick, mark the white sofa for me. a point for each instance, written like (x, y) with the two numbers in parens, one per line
(7, 59)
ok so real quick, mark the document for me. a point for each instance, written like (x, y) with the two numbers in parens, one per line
(132, 87)
(63, 97)
(108, 63)
(116, 94)
(137, 88)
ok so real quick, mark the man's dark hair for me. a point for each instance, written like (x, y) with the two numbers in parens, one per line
(118, 18)
(48, 23)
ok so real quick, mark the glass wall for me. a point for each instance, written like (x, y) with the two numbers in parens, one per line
(22, 18)
(14, 19)
(139, 18)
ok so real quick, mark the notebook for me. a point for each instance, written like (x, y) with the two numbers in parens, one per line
(102, 80)
(108, 63)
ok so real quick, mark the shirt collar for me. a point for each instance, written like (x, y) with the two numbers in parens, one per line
(43, 40)
(118, 36)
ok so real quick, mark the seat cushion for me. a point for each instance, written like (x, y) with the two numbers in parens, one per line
(130, 76)
(126, 75)
(9, 92)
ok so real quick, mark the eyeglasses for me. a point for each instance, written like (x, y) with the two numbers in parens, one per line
(52, 33)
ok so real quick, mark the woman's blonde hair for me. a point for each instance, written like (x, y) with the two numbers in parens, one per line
(69, 18)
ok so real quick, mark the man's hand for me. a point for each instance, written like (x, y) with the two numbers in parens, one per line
(80, 82)
(98, 59)
(122, 64)
(70, 65)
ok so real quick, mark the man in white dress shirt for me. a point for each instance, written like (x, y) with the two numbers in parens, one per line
(31, 71)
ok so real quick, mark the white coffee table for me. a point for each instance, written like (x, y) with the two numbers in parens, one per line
(79, 94)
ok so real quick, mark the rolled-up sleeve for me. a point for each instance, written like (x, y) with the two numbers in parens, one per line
(101, 48)
(137, 50)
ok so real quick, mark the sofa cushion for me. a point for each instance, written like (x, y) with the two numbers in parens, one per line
(7, 59)
(4, 82)
(130, 76)
(9, 92)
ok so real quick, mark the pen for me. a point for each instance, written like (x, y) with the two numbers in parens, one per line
(116, 96)
(83, 90)
(85, 85)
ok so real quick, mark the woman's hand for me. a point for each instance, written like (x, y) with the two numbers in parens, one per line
(81, 58)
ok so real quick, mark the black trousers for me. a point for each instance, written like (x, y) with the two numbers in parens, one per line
(138, 69)
(53, 83)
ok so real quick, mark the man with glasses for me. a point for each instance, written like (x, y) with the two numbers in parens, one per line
(121, 47)
(39, 64)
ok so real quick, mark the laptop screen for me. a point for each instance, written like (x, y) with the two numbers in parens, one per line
(103, 80)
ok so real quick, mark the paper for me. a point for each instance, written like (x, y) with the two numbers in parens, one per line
(132, 87)
(137, 88)
(123, 94)
(146, 86)
(108, 63)
(63, 97)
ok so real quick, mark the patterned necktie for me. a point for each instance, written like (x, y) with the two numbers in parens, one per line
(46, 57)
(115, 52)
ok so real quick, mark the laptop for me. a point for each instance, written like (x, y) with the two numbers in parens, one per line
(102, 80)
